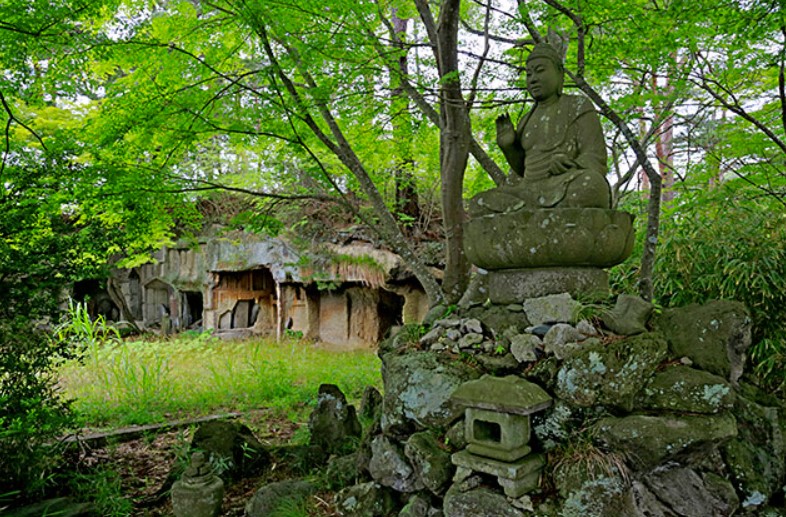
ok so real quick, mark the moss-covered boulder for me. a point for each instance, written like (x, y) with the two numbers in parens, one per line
(366, 500)
(602, 496)
(681, 388)
(591, 481)
(390, 467)
(234, 445)
(499, 318)
(629, 315)
(478, 503)
(715, 336)
(610, 374)
(418, 386)
(647, 441)
(334, 425)
(430, 460)
(342, 471)
(756, 457)
(271, 498)
(677, 490)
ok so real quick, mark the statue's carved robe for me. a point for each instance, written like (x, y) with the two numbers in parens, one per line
(571, 127)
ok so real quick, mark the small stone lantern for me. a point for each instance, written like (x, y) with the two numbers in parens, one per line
(199, 493)
(497, 429)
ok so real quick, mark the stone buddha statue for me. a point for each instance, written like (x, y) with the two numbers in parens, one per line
(551, 228)
(557, 152)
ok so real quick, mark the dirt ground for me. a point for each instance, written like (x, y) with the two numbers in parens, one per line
(144, 465)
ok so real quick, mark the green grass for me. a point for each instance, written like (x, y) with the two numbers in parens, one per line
(140, 382)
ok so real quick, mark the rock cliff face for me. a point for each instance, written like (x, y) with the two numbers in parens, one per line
(657, 423)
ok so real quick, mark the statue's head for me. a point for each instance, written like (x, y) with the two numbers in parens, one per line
(545, 73)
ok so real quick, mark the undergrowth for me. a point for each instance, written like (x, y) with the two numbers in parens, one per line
(140, 382)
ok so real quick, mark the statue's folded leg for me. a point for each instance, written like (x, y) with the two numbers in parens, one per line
(587, 190)
(494, 201)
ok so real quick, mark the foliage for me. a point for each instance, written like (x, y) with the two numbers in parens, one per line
(83, 333)
(101, 487)
(149, 381)
(724, 242)
(579, 460)
(64, 216)
(290, 507)
(623, 278)
(729, 242)
(409, 335)
(149, 105)
(33, 413)
(324, 266)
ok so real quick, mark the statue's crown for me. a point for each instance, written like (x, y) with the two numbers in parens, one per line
(545, 50)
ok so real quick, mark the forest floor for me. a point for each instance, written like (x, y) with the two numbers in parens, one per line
(141, 467)
(119, 387)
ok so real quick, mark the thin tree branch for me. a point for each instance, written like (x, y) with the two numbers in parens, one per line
(735, 107)
(13, 118)
(518, 42)
(431, 27)
(476, 76)
(782, 78)
(319, 163)
(343, 150)
(475, 149)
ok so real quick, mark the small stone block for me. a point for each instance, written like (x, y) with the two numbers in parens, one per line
(508, 455)
(461, 474)
(555, 308)
(530, 464)
(516, 488)
(494, 430)
(629, 315)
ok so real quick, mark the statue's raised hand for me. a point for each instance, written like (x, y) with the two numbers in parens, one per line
(506, 133)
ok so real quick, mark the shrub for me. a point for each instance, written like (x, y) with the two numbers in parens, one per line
(32, 412)
(726, 242)
(732, 248)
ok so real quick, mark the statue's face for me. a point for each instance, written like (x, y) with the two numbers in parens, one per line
(543, 78)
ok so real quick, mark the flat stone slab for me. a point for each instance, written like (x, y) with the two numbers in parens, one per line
(509, 394)
(508, 286)
(478, 502)
(516, 479)
(498, 454)
(715, 336)
(516, 470)
(681, 388)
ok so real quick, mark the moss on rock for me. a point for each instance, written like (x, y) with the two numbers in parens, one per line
(610, 375)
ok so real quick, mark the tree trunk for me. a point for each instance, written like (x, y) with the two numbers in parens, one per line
(664, 146)
(407, 202)
(454, 142)
(116, 295)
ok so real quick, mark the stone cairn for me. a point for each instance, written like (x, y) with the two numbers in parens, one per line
(566, 417)
(199, 492)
